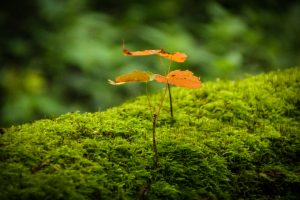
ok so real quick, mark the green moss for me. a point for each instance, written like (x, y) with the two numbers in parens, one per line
(230, 140)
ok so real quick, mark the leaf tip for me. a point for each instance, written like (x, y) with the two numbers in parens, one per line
(114, 83)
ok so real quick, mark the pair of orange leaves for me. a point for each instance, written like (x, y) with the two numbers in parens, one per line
(177, 77)
(176, 57)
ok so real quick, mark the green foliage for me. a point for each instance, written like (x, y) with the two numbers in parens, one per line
(230, 140)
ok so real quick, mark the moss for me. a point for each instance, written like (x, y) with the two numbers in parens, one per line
(229, 140)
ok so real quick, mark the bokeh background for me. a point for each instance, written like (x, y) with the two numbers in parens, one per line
(56, 55)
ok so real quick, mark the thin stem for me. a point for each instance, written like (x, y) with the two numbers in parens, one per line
(169, 90)
(149, 102)
(156, 160)
(170, 98)
(161, 102)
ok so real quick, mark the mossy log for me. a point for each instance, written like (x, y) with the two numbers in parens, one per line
(228, 140)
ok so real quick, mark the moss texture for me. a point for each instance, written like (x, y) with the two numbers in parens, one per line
(230, 140)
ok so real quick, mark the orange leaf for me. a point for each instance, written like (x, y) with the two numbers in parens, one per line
(180, 78)
(141, 53)
(136, 76)
(176, 57)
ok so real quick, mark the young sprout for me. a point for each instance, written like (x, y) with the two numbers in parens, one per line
(177, 78)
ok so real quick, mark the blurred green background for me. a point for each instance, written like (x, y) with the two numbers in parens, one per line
(56, 55)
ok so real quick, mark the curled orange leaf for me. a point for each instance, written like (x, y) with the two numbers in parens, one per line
(141, 53)
(180, 78)
(136, 76)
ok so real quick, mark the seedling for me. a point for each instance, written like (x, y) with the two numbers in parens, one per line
(177, 78)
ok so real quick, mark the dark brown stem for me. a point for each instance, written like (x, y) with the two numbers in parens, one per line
(170, 97)
(156, 162)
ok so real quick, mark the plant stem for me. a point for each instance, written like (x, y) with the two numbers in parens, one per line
(170, 97)
(156, 162)
(149, 102)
